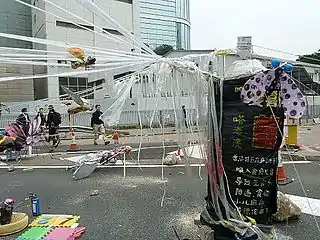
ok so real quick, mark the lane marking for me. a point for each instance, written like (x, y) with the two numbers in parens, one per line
(93, 151)
(131, 165)
(296, 162)
(310, 206)
(106, 166)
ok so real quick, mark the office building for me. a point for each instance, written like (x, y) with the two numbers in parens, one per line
(165, 22)
(15, 18)
(126, 12)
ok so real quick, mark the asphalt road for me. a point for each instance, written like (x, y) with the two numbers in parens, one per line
(129, 208)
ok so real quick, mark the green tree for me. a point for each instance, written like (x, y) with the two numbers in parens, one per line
(313, 58)
(163, 49)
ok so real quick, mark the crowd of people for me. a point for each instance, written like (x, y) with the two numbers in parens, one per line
(52, 122)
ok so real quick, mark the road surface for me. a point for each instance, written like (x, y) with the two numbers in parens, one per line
(130, 208)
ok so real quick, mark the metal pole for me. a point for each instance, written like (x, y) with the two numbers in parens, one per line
(124, 165)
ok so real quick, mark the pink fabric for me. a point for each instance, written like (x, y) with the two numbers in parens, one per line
(60, 233)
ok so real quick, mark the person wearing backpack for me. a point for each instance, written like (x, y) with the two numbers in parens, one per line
(53, 122)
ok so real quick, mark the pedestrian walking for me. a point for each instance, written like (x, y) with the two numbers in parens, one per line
(43, 121)
(98, 126)
(53, 123)
(24, 120)
(184, 111)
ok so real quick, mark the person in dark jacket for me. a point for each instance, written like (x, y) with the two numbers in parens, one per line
(98, 126)
(185, 115)
(24, 120)
(53, 122)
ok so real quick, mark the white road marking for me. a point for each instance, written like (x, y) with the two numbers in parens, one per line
(93, 151)
(134, 165)
(296, 162)
(307, 205)
(119, 164)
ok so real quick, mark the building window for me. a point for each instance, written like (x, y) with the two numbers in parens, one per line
(112, 31)
(79, 84)
(71, 25)
(63, 61)
(35, 19)
(125, 1)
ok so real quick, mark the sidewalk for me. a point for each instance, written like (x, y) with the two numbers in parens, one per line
(309, 140)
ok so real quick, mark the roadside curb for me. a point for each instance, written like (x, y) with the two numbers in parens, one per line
(296, 157)
(85, 137)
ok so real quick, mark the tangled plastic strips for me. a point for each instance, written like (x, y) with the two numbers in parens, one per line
(265, 82)
(170, 75)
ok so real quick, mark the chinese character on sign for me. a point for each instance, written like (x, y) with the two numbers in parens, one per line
(247, 193)
(237, 143)
(254, 172)
(239, 192)
(238, 131)
(261, 172)
(261, 202)
(256, 183)
(239, 181)
(259, 193)
(254, 202)
(266, 193)
(265, 132)
(247, 182)
(235, 158)
(239, 169)
(255, 212)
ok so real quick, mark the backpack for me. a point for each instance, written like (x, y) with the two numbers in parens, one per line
(56, 118)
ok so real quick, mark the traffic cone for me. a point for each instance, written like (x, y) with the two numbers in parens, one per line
(73, 145)
(281, 176)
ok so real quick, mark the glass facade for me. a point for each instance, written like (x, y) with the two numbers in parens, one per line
(165, 22)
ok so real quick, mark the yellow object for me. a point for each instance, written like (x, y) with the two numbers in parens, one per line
(223, 52)
(19, 222)
(292, 138)
(56, 221)
(75, 110)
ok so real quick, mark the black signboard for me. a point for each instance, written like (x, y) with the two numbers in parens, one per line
(250, 144)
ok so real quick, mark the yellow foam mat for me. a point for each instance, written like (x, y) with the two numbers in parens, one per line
(54, 221)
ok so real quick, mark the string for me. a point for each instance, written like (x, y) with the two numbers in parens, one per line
(120, 28)
(75, 73)
(288, 53)
(294, 165)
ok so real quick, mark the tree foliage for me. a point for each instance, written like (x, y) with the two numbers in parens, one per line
(313, 58)
(163, 49)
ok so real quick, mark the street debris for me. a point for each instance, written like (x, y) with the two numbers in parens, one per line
(287, 210)
(29, 169)
(89, 162)
(94, 193)
(11, 168)
(170, 159)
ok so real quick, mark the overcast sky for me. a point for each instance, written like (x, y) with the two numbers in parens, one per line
(291, 26)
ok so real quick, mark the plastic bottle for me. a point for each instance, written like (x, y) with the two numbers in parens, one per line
(35, 205)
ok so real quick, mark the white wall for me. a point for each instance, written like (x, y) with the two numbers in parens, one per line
(45, 27)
